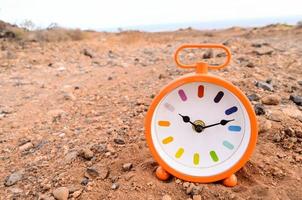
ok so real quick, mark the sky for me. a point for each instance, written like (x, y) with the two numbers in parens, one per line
(101, 14)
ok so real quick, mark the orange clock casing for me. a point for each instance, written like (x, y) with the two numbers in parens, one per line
(200, 77)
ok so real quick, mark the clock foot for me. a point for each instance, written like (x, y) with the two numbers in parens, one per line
(162, 174)
(230, 181)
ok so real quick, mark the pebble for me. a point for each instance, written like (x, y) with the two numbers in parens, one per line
(91, 173)
(127, 167)
(259, 109)
(61, 193)
(254, 97)
(277, 137)
(85, 181)
(86, 153)
(70, 157)
(25, 147)
(208, 54)
(296, 99)
(115, 186)
(265, 85)
(88, 53)
(196, 197)
(13, 178)
(271, 100)
(264, 125)
(119, 141)
(77, 193)
(250, 65)
(193, 189)
(289, 131)
(166, 197)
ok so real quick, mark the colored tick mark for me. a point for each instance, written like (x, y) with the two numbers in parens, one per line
(163, 123)
(228, 145)
(200, 91)
(234, 128)
(179, 152)
(196, 159)
(214, 156)
(231, 110)
(169, 107)
(167, 140)
(182, 95)
(218, 97)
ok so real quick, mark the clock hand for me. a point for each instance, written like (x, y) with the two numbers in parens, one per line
(186, 119)
(222, 122)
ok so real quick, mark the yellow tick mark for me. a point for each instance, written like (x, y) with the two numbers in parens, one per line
(196, 159)
(167, 140)
(179, 152)
(163, 123)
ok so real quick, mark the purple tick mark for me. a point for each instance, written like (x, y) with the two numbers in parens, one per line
(182, 95)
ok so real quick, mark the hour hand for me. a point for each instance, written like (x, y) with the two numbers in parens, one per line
(186, 119)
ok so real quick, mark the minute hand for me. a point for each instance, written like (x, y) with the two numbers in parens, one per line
(222, 122)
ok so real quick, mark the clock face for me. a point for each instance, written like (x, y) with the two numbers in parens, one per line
(200, 129)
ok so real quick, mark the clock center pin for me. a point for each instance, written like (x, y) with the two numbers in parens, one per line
(199, 124)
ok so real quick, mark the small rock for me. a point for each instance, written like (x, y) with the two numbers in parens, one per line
(208, 54)
(103, 172)
(259, 109)
(91, 173)
(264, 85)
(166, 197)
(271, 100)
(263, 51)
(300, 82)
(115, 186)
(296, 99)
(109, 78)
(250, 65)
(86, 153)
(254, 97)
(85, 181)
(196, 197)
(289, 131)
(127, 167)
(298, 134)
(119, 141)
(61, 193)
(277, 137)
(13, 178)
(88, 52)
(193, 189)
(70, 157)
(27, 146)
(264, 125)
(161, 76)
(77, 193)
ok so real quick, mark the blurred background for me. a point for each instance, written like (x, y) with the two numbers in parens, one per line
(153, 15)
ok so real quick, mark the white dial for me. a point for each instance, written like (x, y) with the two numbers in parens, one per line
(200, 129)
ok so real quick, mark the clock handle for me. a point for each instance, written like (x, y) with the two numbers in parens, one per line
(202, 66)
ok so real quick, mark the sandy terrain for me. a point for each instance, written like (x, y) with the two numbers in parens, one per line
(72, 113)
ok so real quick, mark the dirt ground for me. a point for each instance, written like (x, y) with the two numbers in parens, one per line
(72, 113)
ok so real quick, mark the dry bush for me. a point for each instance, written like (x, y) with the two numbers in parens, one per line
(50, 35)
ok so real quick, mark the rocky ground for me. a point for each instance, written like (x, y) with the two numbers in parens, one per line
(71, 114)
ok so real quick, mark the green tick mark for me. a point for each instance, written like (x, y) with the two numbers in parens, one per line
(214, 156)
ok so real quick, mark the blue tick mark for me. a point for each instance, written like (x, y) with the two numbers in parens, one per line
(231, 110)
(234, 128)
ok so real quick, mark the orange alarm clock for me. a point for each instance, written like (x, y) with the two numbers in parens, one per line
(201, 128)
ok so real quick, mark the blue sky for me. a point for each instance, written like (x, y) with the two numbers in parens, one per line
(100, 14)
